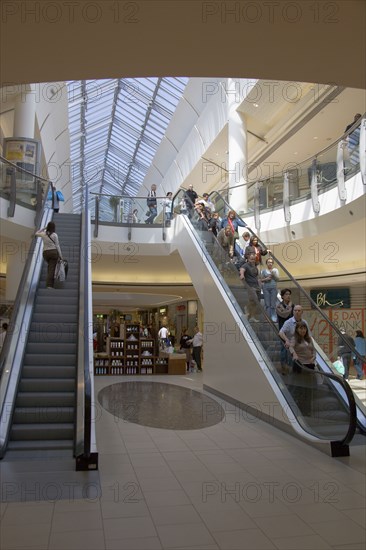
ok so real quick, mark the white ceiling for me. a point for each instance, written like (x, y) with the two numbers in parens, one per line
(308, 121)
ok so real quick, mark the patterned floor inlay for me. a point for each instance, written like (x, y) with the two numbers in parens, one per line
(160, 405)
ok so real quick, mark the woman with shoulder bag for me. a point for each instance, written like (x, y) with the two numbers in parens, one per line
(51, 251)
(302, 347)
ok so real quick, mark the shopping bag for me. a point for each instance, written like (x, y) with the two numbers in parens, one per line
(60, 196)
(339, 367)
(61, 270)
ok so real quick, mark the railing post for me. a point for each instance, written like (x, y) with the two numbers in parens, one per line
(341, 163)
(257, 220)
(96, 218)
(286, 197)
(314, 187)
(12, 191)
(362, 145)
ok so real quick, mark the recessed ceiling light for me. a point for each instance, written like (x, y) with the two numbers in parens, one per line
(315, 137)
(255, 105)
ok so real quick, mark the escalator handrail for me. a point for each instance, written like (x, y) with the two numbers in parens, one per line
(350, 399)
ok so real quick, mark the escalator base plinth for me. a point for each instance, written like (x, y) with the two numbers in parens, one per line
(339, 449)
(84, 463)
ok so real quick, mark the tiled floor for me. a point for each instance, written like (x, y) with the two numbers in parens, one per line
(239, 484)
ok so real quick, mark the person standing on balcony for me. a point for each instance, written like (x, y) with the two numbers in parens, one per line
(151, 205)
(167, 204)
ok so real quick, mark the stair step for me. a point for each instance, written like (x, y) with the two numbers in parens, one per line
(43, 399)
(51, 349)
(48, 372)
(40, 360)
(47, 385)
(50, 317)
(62, 308)
(43, 415)
(33, 432)
(41, 445)
(41, 337)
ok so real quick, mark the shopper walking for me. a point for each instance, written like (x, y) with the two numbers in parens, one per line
(197, 342)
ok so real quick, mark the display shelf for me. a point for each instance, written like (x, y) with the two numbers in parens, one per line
(101, 365)
(99, 371)
(147, 370)
(133, 355)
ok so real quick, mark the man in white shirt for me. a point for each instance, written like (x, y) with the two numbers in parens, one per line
(197, 342)
(208, 203)
(163, 336)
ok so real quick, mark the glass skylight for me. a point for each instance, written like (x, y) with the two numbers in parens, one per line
(116, 127)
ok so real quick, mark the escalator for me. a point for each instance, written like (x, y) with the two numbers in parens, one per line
(46, 364)
(44, 415)
(319, 406)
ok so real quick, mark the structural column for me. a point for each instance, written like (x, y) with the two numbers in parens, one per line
(238, 148)
(25, 114)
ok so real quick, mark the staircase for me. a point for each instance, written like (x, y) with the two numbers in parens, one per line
(44, 414)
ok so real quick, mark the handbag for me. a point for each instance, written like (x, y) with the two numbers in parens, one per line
(61, 270)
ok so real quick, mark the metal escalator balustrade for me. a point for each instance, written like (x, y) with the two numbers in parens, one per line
(322, 402)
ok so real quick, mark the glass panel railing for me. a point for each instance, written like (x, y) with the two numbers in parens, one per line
(326, 165)
(320, 409)
(20, 186)
(351, 153)
(118, 209)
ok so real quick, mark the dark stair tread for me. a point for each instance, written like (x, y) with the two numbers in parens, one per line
(48, 444)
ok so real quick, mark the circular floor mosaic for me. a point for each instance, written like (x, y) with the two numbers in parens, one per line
(160, 405)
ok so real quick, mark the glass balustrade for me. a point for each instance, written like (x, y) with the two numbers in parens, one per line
(21, 187)
(131, 210)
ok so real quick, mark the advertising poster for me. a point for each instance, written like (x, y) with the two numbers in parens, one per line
(348, 319)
